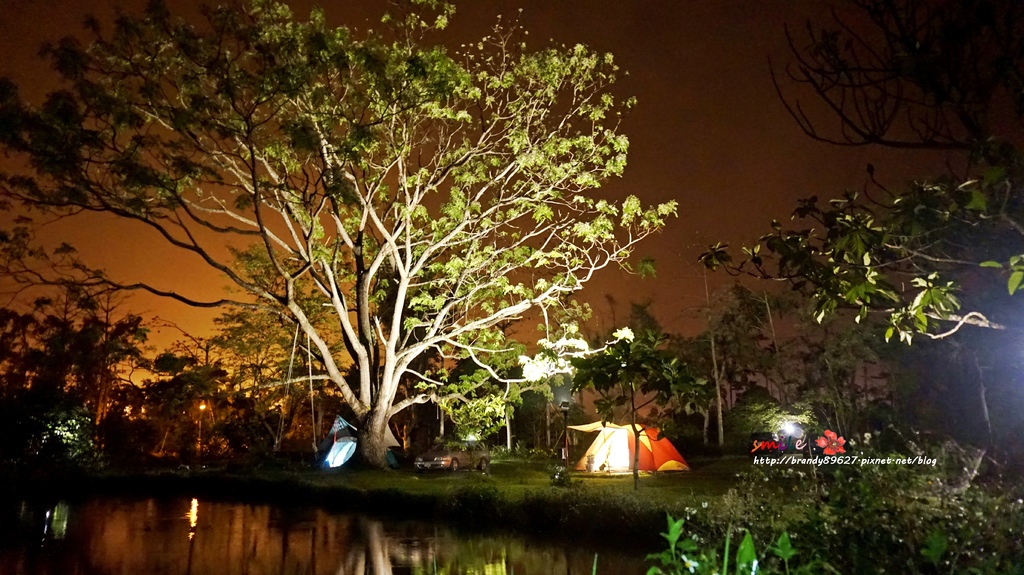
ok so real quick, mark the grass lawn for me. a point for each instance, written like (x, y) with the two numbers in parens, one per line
(707, 478)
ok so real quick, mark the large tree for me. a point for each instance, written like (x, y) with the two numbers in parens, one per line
(424, 197)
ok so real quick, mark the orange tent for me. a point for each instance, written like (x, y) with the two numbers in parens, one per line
(612, 451)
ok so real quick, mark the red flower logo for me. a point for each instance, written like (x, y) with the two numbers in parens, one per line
(832, 443)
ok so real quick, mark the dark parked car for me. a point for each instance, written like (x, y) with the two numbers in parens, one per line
(454, 457)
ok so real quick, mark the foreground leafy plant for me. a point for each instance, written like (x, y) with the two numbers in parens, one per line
(870, 519)
(686, 556)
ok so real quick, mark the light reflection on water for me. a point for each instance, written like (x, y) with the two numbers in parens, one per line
(192, 537)
(193, 518)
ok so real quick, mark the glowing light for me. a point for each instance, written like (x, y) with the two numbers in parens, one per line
(202, 406)
(791, 429)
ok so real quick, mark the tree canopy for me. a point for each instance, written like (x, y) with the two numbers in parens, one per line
(422, 197)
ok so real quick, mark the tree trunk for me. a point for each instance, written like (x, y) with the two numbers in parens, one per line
(372, 444)
(408, 428)
(707, 423)
(508, 428)
(547, 424)
(775, 351)
(718, 392)
(714, 364)
(163, 442)
(101, 400)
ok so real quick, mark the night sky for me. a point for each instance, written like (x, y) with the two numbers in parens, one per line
(708, 130)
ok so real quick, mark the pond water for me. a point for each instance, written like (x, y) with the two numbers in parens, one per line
(194, 537)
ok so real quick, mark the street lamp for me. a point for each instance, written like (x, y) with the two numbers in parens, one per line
(564, 406)
(793, 430)
(199, 446)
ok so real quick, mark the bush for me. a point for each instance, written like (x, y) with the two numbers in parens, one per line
(909, 519)
(520, 453)
(560, 477)
(46, 432)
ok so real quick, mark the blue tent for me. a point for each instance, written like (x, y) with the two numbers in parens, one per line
(340, 444)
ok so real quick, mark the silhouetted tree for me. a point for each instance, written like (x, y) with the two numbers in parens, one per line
(939, 75)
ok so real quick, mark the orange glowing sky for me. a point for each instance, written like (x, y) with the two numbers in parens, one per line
(708, 131)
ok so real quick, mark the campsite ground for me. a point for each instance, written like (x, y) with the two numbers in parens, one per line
(515, 479)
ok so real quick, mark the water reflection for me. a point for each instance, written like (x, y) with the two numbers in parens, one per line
(122, 537)
(193, 518)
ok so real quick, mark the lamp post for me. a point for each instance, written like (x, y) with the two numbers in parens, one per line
(564, 406)
(199, 446)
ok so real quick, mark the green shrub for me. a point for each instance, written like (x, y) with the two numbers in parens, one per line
(520, 453)
(912, 519)
(939, 552)
(47, 432)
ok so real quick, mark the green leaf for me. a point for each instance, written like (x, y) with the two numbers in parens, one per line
(935, 547)
(991, 264)
(630, 210)
(783, 548)
(688, 545)
(745, 554)
(675, 530)
(978, 202)
(646, 268)
(1014, 282)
